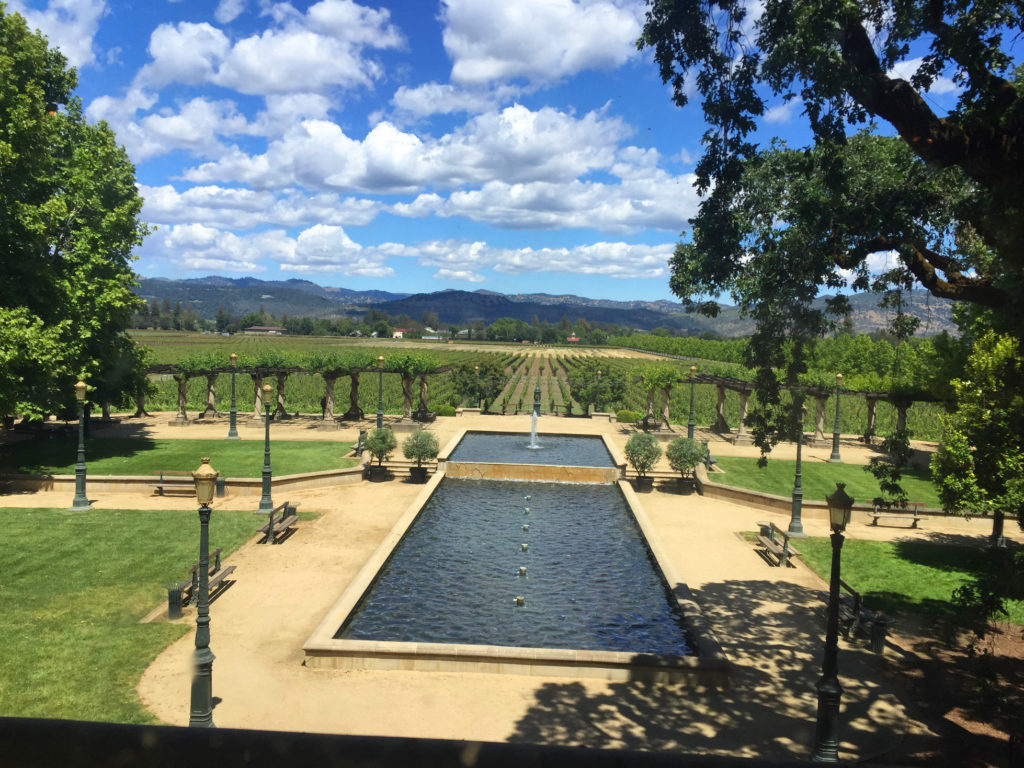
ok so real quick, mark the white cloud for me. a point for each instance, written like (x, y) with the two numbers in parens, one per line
(516, 144)
(242, 209)
(908, 68)
(68, 24)
(229, 10)
(782, 113)
(538, 40)
(441, 99)
(316, 52)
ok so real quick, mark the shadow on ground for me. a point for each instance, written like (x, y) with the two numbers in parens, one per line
(774, 633)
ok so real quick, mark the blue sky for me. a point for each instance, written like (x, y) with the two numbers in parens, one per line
(412, 145)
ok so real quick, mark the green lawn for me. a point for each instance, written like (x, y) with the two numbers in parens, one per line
(73, 590)
(131, 456)
(917, 576)
(818, 479)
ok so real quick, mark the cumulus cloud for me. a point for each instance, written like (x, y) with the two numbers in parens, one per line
(441, 99)
(68, 24)
(242, 209)
(537, 40)
(319, 50)
(515, 144)
(228, 10)
(782, 113)
(906, 70)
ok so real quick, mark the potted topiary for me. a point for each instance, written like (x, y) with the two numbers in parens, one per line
(379, 444)
(684, 454)
(643, 452)
(420, 446)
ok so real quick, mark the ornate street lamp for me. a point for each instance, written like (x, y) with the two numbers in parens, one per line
(598, 403)
(380, 391)
(201, 715)
(266, 504)
(826, 736)
(476, 370)
(233, 413)
(80, 503)
(690, 423)
(834, 458)
(796, 525)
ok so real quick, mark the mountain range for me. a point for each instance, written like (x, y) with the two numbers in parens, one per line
(302, 298)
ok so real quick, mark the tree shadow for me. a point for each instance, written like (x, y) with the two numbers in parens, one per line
(34, 456)
(773, 632)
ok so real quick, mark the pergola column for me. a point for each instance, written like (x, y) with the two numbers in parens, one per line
(329, 382)
(721, 425)
(280, 412)
(743, 437)
(665, 393)
(257, 405)
(901, 414)
(354, 411)
(211, 395)
(819, 417)
(869, 430)
(181, 417)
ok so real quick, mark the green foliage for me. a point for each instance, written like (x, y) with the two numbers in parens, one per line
(627, 417)
(642, 452)
(380, 443)
(589, 389)
(70, 219)
(479, 382)
(443, 409)
(684, 454)
(420, 446)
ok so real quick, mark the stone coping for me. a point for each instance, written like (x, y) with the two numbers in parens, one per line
(709, 667)
(244, 486)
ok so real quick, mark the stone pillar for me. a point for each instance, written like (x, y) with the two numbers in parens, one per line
(329, 382)
(407, 381)
(869, 430)
(742, 436)
(665, 393)
(211, 396)
(181, 417)
(901, 414)
(354, 411)
(140, 404)
(721, 425)
(279, 411)
(257, 405)
(423, 393)
(819, 418)
(105, 413)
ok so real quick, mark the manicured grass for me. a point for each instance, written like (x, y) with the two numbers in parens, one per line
(917, 576)
(819, 479)
(73, 590)
(131, 456)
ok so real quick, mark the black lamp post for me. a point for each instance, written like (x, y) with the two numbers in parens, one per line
(266, 504)
(690, 423)
(834, 458)
(80, 503)
(598, 403)
(201, 715)
(476, 370)
(233, 413)
(380, 392)
(796, 525)
(826, 736)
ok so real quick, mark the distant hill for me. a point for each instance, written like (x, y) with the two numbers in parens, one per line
(298, 298)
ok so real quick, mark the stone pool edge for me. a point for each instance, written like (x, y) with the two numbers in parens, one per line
(708, 667)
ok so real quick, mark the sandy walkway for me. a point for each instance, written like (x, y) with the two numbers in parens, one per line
(768, 619)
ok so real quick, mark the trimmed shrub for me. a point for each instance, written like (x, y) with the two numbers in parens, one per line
(642, 451)
(627, 417)
(380, 444)
(684, 454)
(420, 446)
(444, 410)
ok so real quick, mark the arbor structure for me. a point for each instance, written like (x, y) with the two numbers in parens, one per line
(68, 221)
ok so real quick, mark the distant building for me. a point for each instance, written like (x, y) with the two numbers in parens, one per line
(572, 339)
(265, 330)
(399, 333)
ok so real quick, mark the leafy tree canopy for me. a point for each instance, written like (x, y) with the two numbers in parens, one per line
(68, 221)
(837, 58)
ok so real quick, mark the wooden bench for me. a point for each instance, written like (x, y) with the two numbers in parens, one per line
(854, 617)
(170, 481)
(885, 509)
(775, 542)
(359, 447)
(181, 593)
(276, 531)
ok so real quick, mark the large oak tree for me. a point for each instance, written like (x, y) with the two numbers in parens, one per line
(68, 220)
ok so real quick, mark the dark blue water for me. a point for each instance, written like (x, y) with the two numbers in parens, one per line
(591, 582)
(558, 450)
